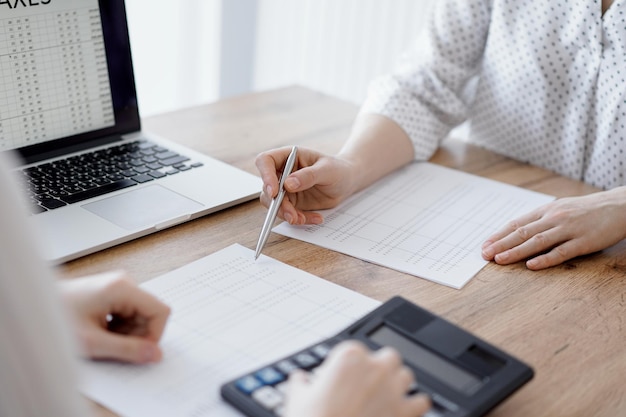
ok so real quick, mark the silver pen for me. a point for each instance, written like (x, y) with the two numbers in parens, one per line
(272, 212)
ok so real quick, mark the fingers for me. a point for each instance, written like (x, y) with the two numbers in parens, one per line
(513, 234)
(144, 313)
(385, 362)
(298, 377)
(302, 179)
(523, 243)
(298, 380)
(400, 378)
(101, 344)
(546, 237)
(556, 256)
(353, 353)
(347, 353)
(388, 357)
(525, 237)
(290, 213)
(319, 182)
(391, 363)
(115, 319)
(411, 406)
(356, 381)
(417, 405)
(269, 164)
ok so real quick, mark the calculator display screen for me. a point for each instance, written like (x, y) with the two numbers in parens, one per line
(425, 360)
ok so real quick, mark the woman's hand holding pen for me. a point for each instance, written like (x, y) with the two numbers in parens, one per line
(376, 147)
(318, 182)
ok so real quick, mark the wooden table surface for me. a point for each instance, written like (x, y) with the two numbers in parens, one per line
(567, 322)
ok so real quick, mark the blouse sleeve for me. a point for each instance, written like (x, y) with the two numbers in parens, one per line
(427, 92)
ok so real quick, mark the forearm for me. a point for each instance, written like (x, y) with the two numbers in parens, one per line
(376, 146)
(617, 198)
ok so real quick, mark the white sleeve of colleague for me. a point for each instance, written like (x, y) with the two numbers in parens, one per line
(541, 83)
(427, 92)
(37, 368)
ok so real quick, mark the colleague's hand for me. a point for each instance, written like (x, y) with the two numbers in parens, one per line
(353, 382)
(318, 182)
(376, 146)
(114, 318)
(561, 230)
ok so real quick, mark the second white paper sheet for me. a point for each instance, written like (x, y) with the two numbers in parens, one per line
(424, 219)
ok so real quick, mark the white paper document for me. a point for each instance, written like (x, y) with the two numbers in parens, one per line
(230, 315)
(425, 220)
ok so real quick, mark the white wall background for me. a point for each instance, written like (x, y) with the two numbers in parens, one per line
(334, 46)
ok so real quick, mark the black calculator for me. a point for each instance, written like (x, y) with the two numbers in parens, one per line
(463, 375)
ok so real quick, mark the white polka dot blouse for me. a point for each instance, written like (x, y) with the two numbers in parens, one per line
(540, 81)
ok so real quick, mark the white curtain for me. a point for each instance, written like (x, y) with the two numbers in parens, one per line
(335, 46)
(175, 46)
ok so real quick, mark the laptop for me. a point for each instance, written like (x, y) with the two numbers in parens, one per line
(68, 109)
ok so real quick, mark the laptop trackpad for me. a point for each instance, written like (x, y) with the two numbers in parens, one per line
(144, 208)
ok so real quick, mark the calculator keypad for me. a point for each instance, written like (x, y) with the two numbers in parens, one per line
(268, 385)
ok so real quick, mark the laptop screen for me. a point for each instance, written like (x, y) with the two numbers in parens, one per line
(66, 75)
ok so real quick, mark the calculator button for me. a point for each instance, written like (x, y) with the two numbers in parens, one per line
(286, 366)
(321, 350)
(268, 397)
(306, 360)
(247, 384)
(269, 376)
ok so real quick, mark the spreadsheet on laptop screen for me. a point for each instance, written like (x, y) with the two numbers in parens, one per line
(54, 76)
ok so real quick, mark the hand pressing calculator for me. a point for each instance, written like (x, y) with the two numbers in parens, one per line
(463, 375)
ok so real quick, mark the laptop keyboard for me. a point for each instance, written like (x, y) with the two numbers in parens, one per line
(77, 178)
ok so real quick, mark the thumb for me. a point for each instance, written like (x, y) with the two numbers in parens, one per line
(417, 405)
(298, 379)
(102, 344)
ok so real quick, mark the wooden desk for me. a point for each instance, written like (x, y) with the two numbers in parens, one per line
(568, 322)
